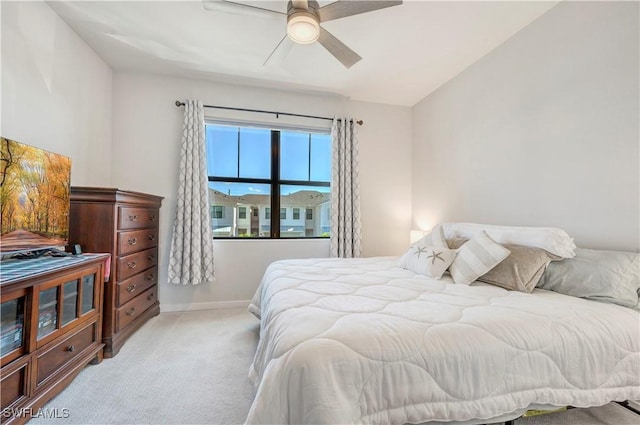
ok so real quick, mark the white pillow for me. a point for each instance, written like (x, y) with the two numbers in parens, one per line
(430, 261)
(476, 257)
(553, 240)
(434, 238)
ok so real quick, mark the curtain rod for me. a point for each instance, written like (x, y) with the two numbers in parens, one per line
(277, 114)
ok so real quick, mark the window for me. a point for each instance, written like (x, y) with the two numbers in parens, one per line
(217, 211)
(269, 169)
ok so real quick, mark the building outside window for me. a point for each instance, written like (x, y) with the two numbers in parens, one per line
(242, 212)
(296, 213)
(267, 213)
(283, 213)
(309, 214)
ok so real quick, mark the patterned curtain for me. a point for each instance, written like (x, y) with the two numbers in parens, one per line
(191, 255)
(346, 239)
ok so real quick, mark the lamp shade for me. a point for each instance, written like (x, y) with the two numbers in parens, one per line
(303, 27)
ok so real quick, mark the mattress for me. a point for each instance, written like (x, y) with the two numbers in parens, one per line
(362, 341)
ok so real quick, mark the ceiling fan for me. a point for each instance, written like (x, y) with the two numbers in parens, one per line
(303, 23)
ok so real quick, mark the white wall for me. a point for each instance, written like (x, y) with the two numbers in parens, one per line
(543, 131)
(146, 140)
(56, 92)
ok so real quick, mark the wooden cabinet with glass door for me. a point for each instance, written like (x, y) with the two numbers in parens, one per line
(51, 319)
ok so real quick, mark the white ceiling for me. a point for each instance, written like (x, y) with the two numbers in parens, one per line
(408, 51)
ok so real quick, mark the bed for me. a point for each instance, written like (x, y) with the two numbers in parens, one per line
(363, 341)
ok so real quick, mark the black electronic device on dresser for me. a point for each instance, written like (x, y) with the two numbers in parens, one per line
(126, 225)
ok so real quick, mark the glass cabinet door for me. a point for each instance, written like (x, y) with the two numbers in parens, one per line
(70, 303)
(47, 311)
(12, 324)
(88, 288)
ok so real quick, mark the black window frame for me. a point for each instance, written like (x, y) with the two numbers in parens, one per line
(275, 182)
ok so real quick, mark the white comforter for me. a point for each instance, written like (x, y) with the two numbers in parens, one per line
(364, 341)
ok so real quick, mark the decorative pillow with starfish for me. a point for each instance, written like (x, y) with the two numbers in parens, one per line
(430, 261)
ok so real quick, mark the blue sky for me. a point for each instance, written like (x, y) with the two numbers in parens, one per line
(254, 159)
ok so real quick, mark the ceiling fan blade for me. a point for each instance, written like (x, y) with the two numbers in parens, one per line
(238, 8)
(341, 9)
(279, 54)
(338, 49)
(300, 4)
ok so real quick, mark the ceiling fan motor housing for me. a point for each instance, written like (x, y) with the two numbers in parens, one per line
(313, 6)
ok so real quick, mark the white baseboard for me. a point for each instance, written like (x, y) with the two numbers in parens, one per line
(214, 305)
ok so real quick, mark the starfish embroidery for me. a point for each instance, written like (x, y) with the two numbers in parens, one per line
(421, 250)
(435, 255)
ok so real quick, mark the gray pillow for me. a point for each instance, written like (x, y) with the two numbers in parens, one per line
(608, 276)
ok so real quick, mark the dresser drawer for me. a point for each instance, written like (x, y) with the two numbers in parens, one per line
(137, 218)
(136, 240)
(13, 385)
(130, 288)
(131, 310)
(135, 263)
(65, 351)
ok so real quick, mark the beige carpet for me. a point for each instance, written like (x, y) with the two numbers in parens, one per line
(191, 368)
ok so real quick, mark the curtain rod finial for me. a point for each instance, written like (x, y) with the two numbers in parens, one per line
(359, 122)
(179, 104)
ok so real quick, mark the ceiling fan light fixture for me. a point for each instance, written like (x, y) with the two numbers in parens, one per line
(303, 27)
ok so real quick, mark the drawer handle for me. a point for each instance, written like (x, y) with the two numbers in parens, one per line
(130, 312)
(70, 348)
(150, 277)
(133, 218)
(152, 237)
(152, 217)
(151, 257)
(131, 288)
(150, 297)
(131, 264)
(132, 241)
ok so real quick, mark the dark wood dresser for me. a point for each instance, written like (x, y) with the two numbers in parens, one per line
(124, 224)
